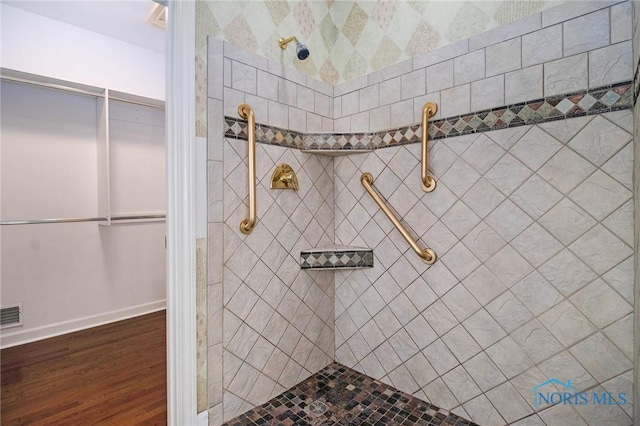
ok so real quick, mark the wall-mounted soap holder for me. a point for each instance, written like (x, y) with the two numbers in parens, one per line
(284, 177)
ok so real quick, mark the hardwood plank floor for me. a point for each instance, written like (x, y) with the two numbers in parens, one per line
(114, 374)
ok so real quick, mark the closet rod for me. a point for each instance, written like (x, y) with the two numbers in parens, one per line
(81, 219)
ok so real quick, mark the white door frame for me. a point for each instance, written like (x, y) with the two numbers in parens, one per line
(181, 215)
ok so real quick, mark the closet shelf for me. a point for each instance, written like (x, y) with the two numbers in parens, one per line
(123, 219)
(334, 257)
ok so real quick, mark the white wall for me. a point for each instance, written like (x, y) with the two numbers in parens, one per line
(76, 275)
(39, 45)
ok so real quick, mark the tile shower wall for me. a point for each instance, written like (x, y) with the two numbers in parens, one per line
(496, 192)
(347, 38)
(271, 324)
(533, 226)
(342, 34)
(534, 58)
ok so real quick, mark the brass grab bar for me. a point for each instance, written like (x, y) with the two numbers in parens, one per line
(247, 224)
(428, 110)
(427, 255)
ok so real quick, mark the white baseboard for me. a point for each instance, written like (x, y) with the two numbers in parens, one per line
(203, 418)
(20, 337)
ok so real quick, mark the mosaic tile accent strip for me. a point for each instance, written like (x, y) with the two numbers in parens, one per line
(577, 104)
(336, 259)
(338, 395)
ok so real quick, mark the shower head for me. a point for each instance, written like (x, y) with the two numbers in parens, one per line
(301, 50)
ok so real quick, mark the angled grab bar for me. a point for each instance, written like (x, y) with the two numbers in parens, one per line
(428, 256)
(247, 224)
(428, 110)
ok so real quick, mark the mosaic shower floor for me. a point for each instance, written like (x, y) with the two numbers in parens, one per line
(338, 395)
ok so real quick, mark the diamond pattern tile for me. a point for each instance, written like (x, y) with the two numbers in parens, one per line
(599, 195)
(530, 220)
(522, 242)
(600, 249)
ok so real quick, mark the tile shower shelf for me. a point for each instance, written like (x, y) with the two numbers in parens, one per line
(336, 257)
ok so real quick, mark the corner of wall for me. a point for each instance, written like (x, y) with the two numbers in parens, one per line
(636, 195)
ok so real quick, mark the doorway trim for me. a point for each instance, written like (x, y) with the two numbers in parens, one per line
(181, 215)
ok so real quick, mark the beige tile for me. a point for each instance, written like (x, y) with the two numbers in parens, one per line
(469, 67)
(440, 395)
(601, 249)
(487, 93)
(504, 57)
(610, 64)
(482, 412)
(536, 341)
(509, 402)
(413, 84)
(536, 293)
(566, 75)
(483, 285)
(440, 76)
(508, 311)
(461, 384)
(456, 101)
(600, 357)
(509, 358)
(542, 46)
(586, 33)
(484, 372)
(484, 329)
(600, 304)
(573, 325)
(621, 25)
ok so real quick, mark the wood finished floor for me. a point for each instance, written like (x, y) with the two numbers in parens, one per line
(114, 374)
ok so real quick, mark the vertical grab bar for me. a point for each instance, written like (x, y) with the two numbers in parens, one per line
(428, 256)
(428, 110)
(247, 224)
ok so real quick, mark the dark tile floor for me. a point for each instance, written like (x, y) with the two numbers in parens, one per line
(338, 395)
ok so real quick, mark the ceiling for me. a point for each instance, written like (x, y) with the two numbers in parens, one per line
(122, 20)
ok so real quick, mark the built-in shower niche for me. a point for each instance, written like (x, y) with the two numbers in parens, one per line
(336, 257)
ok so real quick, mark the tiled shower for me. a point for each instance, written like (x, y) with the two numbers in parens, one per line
(532, 220)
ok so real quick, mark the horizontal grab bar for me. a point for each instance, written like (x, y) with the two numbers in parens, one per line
(81, 219)
(427, 255)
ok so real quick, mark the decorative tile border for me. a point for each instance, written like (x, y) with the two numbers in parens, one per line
(577, 104)
(337, 395)
(337, 258)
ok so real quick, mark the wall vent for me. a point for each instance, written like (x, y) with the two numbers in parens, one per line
(11, 316)
(158, 16)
